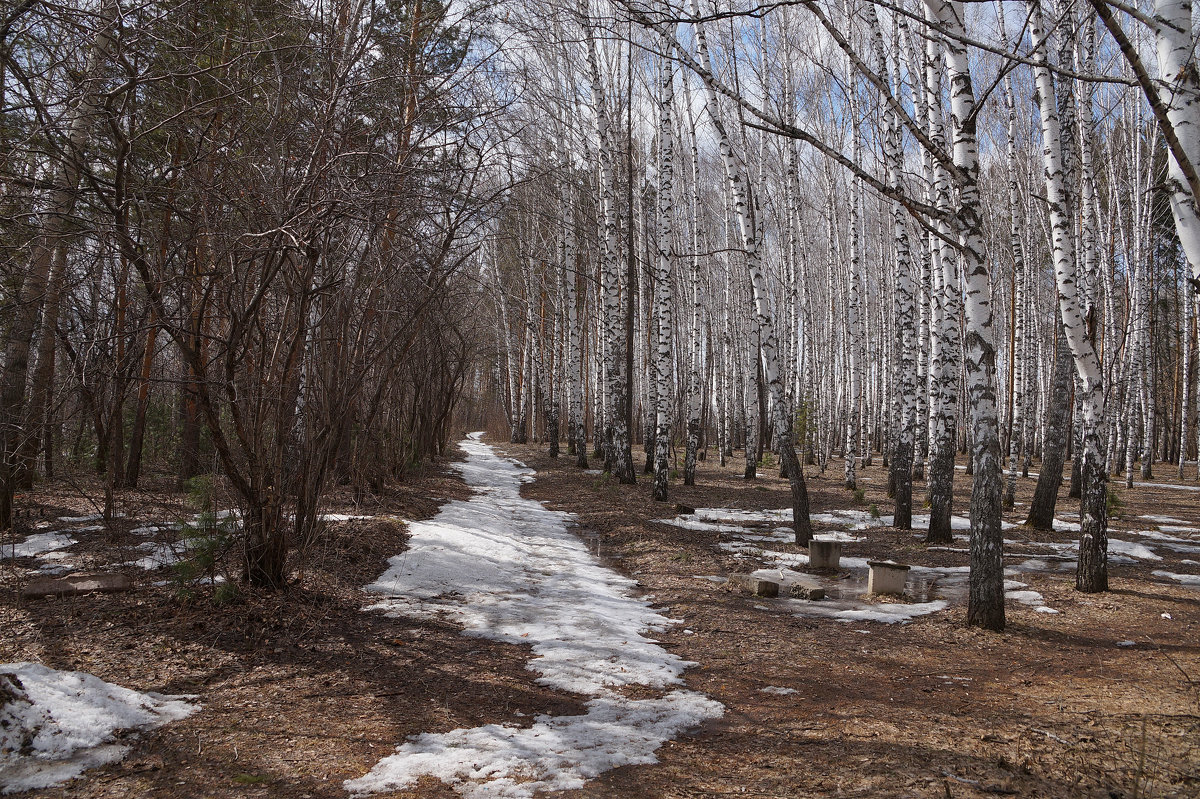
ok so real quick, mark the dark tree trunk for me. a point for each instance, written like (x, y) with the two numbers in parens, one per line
(266, 545)
(189, 429)
(552, 430)
(1045, 494)
(1091, 575)
(801, 523)
(985, 602)
(902, 471)
(941, 489)
(692, 453)
(133, 467)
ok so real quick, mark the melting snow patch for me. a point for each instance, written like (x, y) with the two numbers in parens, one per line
(342, 517)
(1044, 609)
(1169, 485)
(1157, 536)
(692, 523)
(1025, 597)
(1190, 580)
(149, 529)
(1133, 550)
(775, 689)
(737, 515)
(39, 544)
(555, 754)
(159, 556)
(1162, 519)
(507, 568)
(887, 614)
(70, 720)
(835, 535)
(854, 519)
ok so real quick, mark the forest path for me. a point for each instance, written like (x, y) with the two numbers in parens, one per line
(509, 569)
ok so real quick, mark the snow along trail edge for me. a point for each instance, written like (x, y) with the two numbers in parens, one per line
(508, 568)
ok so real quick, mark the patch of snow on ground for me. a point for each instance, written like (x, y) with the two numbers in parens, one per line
(739, 515)
(508, 569)
(150, 529)
(835, 535)
(1162, 519)
(852, 518)
(884, 613)
(39, 544)
(1190, 580)
(1157, 536)
(158, 556)
(777, 690)
(1168, 485)
(1030, 565)
(691, 523)
(1025, 597)
(1178, 528)
(1132, 549)
(70, 720)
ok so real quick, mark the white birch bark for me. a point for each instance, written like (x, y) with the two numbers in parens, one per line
(854, 326)
(694, 391)
(1176, 39)
(985, 603)
(945, 351)
(662, 274)
(906, 388)
(1092, 571)
(1016, 425)
(1185, 400)
(618, 456)
(574, 366)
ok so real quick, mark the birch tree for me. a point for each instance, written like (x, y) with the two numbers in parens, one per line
(1092, 573)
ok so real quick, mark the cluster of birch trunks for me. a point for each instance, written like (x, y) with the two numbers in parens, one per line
(847, 228)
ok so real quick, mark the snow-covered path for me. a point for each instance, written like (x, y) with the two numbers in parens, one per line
(507, 568)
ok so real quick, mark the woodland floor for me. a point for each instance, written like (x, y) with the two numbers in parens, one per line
(303, 690)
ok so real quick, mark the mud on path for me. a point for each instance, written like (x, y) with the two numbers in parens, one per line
(304, 691)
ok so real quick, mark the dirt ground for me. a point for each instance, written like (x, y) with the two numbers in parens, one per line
(303, 690)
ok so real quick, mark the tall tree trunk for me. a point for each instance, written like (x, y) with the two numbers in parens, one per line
(945, 352)
(618, 455)
(985, 602)
(1092, 570)
(1054, 442)
(133, 469)
(59, 207)
(662, 275)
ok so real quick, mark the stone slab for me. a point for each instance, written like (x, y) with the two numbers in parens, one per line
(754, 585)
(73, 586)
